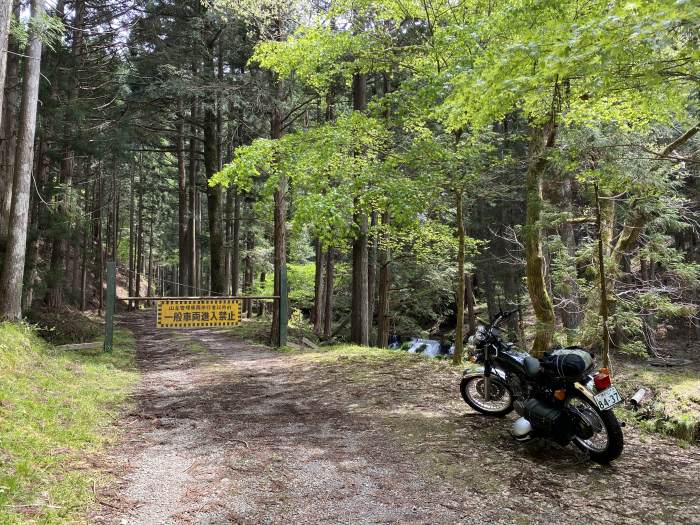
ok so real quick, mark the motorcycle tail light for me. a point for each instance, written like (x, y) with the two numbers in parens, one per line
(601, 380)
(560, 394)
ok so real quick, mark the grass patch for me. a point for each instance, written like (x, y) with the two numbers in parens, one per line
(192, 345)
(371, 356)
(256, 329)
(675, 408)
(55, 410)
(253, 330)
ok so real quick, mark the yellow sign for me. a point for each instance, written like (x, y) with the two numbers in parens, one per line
(198, 313)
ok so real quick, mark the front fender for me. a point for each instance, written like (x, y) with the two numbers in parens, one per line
(479, 372)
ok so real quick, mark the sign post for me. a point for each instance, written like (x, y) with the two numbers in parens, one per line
(109, 311)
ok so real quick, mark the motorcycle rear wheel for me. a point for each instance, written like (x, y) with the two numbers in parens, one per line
(608, 423)
(472, 390)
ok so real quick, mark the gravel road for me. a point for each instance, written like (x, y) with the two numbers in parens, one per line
(228, 432)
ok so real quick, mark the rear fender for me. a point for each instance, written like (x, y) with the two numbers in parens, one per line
(586, 390)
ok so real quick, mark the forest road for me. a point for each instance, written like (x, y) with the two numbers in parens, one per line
(223, 431)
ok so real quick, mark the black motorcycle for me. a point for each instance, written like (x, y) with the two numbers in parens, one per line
(558, 397)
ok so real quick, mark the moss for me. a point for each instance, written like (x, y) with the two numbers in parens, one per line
(55, 408)
(193, 345)
(675, 409)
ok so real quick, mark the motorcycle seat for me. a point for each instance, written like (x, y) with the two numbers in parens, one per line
(532, 366)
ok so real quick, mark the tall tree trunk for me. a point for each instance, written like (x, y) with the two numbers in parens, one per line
(459, 331)
(149, 291)
(372, 274)
(75, 259)
(215, 194)
(228, 243)
(132, 265)
(280, 212)
(384, 283)
(328, 309)
(359, 325)
(5, 17)
(10, 111)
(97, 236)
(109, 207)
(542, 140)
(359, 310)
(183, 203)
(193, 284)
(603, 283)
(217, 254)
(202, 283)
(139, 234)
(115, 215)
(470, 302)
(84, 255)
(236, 256)
(319, 288)
(248, 270)
(11, 279)
(43, 165)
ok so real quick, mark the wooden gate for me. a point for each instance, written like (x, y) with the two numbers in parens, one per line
(194, 312)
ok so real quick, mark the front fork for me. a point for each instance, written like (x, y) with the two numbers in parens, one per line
(487, 381)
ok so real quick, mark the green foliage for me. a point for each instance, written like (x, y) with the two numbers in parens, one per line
(315, 55)
(603, 60)
(301, 279)
(331, 168)
(55, 409)
(49, 28)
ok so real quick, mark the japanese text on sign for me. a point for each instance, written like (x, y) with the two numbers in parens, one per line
(196, 313)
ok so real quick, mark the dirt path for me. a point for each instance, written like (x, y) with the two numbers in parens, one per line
(226, 432)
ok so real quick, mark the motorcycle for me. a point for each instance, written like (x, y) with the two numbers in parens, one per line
(558, 397)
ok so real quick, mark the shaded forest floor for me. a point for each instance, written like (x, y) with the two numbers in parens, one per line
(224, 431)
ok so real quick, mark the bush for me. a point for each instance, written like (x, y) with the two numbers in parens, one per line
(65, 327)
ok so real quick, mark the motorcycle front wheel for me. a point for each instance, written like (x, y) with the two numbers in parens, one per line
(599, 434)
(500, 399)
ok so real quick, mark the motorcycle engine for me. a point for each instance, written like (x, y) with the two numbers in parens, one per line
(519, 396)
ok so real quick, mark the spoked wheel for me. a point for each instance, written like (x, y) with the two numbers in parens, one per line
(499, 401)
(598, 432)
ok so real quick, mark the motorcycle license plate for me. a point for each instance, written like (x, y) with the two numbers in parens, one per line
(608, 398)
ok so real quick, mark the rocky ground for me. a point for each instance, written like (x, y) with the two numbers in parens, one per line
(223, 431)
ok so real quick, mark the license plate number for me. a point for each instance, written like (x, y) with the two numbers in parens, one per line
(608, 398)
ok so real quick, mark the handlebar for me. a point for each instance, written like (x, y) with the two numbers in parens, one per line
(502, 315)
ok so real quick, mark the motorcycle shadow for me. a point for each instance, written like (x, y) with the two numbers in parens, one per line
(493, 433)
